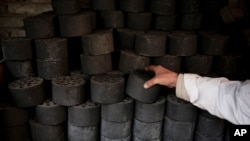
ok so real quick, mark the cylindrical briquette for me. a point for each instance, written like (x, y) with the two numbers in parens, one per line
(116, 130)
(41, 132)
(78, 73)
(86, 114)
(126, 38)
(146, 130)
(52, 69)
(130, 61)
(92, 14)
(157, 32)
(68, 90)
(118, 112)
(212, 43)
(200, 137)
(150, 112)
(97, 64)
(150, 44)
(51, 49)
(103, 138)
(182, 43)
(200, 64)
(209, 126)
(165, 22)
(132, 5)
(116, 72)
(139, 21)
(77, 133)
(180, 110)
(85, 4)
(191, 21)
(163, 7)
(189, 6)
(135, 89)
(32, 26)
(50, 113)
(178, 130)
(226, 64)
(107, 89)
(110, 19)
(157, 139)
(103, 5)
(169, 61)
(27, 92)
(21, 69)
(62, 7)
(98, 43)
(75, 25)
(17, 48)
(16, 133)
(9, 114)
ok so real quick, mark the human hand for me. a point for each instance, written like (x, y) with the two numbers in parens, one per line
(163, 76)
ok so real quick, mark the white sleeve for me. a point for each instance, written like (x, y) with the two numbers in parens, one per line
(226, 99)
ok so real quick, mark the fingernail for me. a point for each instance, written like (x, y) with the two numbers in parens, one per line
(145, 86)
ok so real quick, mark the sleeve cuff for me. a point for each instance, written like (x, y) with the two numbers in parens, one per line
(180, 88)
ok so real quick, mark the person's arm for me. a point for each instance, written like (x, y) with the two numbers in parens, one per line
(226, 99)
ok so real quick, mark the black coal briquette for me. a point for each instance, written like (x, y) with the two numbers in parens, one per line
(103, 5)
(180, 110)
(163, 7)
(51, 69)
(97, 64)
(107, 89)
(98, 43)
(135, 89)
(33, 25)
(116, 130)
(139, 21)
(150, 44)
(17, 48)
(130, 61)
(68, 90)
(21, 69)
(41, 132)
(75, 25)
(85, 114)
(150, 112)
(9, 114)
(118, 112)
(132, 5)
(182, 43)
(27, 92)
(78, 133)
(110, 19)
(50, 113)
(62, 7)
(51, 49)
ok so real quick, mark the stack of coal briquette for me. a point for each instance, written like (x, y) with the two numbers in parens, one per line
(87, 80)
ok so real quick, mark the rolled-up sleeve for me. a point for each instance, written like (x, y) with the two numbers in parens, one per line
(226, 99)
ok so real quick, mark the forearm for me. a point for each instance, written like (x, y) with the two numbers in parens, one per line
(219, 96)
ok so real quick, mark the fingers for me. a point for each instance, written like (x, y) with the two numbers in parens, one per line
(156, 69)
(150, 68)
(148, 84)
(152, 81)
